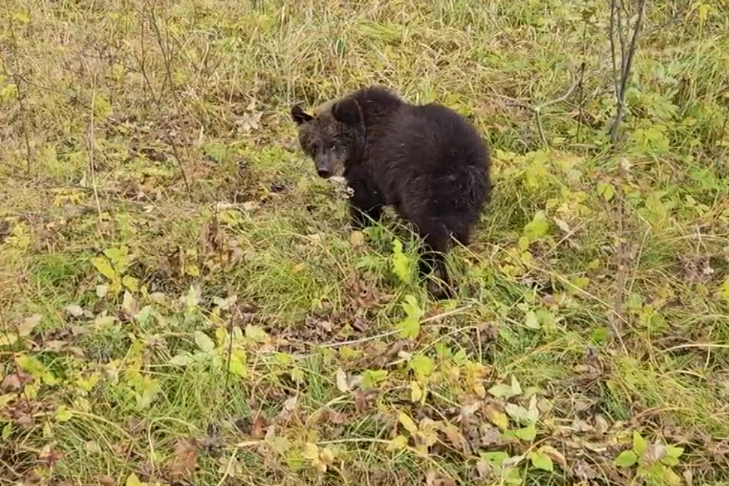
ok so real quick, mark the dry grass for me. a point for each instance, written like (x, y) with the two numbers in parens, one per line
(155, 203)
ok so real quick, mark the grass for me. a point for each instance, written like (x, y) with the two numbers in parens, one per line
(182, 302)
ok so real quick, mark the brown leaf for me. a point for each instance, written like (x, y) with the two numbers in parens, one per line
(654, 453)
(259, 427)
(434, 479)
(24, 420)
(106, 480)
(360, 402)
(49, 457)
(585, 471)
(490, 436)
(601, 424)
(184, 460)
(360, 325)
(485, 469)
(455, 437)
(326, 326)
(54, 345)
(337, 418)
(15, 381)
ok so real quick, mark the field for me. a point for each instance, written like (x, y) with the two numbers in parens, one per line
(182, 301)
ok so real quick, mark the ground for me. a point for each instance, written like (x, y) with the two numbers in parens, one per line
(155, 204)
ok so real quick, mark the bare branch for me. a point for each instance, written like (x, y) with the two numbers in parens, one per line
(626, 61)
(167, 79)
(621, 77)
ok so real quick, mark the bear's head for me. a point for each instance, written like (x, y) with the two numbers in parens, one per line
(333, 137)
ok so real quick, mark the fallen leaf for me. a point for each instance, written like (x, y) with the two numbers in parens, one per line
(416, 393)
(75, 310)
(654, 453)
(434, 479)
(341, 378)
(601, 424)
(101, 291)
(496, 417)
(28, 324)
(407, 422)
(360, 324)
(455, 437)
(356, 238)
(259, 428)
(130, 306)
(8, 339)
(106, 480)
(555, 455)
(490, 436)
(360, 402)
(15, 381)
(541, 461)
(337, 418)
(485, 469)
(184, 459)
(49, 457)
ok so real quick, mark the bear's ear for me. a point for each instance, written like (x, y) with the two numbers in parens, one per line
(347, 111)
(299, 115)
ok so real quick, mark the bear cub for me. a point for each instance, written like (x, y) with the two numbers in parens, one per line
(426, 161)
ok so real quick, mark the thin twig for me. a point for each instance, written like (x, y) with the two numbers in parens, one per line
(90, 146)
(538, 109)
(621, 77)
(168, 78)
(625, 66)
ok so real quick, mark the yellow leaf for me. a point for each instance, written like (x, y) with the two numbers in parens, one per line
(497, 418)
(555, 455)
(131, 283)
(356, 238)
(21, 17)
(327, 455)
(104, 267)
(63, 414)
(398, 443)
(311, 451)
(407, 422)
(704, 10)
(133, 480)
(8, 339)
(415, 392)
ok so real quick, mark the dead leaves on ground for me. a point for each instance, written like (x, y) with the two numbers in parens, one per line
(183, 461)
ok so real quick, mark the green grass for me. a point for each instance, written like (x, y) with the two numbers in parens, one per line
(155, 203)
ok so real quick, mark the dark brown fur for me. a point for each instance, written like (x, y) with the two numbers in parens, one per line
(425, 160)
